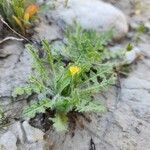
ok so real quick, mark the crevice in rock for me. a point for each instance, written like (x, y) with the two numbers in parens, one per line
(24, 133)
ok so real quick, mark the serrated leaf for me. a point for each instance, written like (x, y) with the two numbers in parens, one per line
(37, 107)
(18, 91)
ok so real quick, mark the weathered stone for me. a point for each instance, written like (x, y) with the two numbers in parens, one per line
(17, 130)
(93, 14)
(15, 67)
(32, 134)
(48, 32)
(132, 55)
(41, 145)
(8, 141)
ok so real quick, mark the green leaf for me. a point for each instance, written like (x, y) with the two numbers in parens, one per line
(63, 82)
(37, 107)
(90, 107)
(60, 122)
(18, 91)
(129, 47)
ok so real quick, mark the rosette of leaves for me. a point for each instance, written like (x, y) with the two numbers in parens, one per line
(19, 14)
(64, 88)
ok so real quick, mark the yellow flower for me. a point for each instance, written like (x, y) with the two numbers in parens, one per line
(74, 70)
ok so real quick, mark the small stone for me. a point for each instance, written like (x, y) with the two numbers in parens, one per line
(32, 134)
(8, 141)
(132, 55)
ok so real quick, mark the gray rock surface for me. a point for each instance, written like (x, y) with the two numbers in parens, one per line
(8, 141)
(51, 32)
(15, 67)
(32, 134)
(21, 136)
(92, 14)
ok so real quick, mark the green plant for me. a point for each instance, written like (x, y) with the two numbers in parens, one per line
(20, 14)
(1, 113)
(64, 88)
(3, 118)
(140, 30)
(86, 46)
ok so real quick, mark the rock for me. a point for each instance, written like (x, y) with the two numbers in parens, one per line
(41, 145)
(46, 31)
(17, 130)
(16, 65)
(92, 14)
(132, 55)
(8, 141)
(21, 136)
(32, 134)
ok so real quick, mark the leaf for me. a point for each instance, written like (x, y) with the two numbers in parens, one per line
(26, 17)
(60, 122)
(18, 91)
(19, 23)
(37, 107)
(90, 107)
(63, 82)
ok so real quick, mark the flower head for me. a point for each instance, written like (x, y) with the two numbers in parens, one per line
(74, 70)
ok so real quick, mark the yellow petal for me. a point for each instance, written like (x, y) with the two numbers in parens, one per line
(74, 70)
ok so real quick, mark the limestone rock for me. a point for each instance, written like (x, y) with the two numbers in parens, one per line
(46, 31)
(22, 136)
(93, 14)
(17, 130)
(132, 55)
(15, 66)
(41, 145)
(8, 141)
(32, 134)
